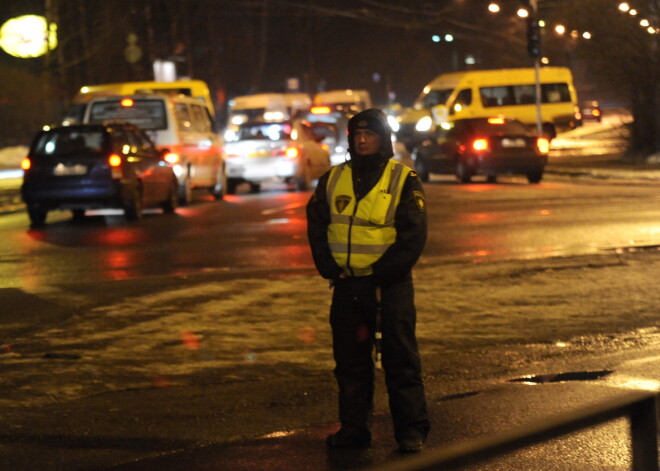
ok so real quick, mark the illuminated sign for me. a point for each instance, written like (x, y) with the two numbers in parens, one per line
(28, 36)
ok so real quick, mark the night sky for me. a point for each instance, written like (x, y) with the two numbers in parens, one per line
(248, 46)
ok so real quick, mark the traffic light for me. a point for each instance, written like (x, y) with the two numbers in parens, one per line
(533, 37)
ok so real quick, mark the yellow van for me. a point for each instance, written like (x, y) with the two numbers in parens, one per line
(180, 124)
(197, 89)
(485, 93)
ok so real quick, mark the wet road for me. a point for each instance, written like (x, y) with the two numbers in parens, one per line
(124, 342)
(509, 219)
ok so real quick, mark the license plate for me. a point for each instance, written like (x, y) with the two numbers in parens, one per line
(66, 170)
(259, 153)
(507, 142)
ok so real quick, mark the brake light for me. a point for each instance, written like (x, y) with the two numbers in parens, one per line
(115, 165)
(126, 102)
(171, 158)
(496, 120)
(291, 152)
(480, 144)
(543, 145)
(320, 110)
(114, 160)
(26, 163)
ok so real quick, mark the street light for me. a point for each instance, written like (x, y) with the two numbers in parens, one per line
(494, 7)
(523, 12)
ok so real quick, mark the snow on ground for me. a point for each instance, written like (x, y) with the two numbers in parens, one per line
(10, 157)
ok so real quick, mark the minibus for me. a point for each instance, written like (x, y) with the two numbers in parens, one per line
(197, 89)
(264, 107)
(501, 92)
(179, 124)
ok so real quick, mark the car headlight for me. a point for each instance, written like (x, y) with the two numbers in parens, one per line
(424, 124)
(394, 124)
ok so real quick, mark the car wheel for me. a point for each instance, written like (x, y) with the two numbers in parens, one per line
(78, 214)
(218, 191)
(232, 183)
(304, 182)
(172, 201)
(255, 187)
(421, 167)
(133, 209)
(185, 192)
(491, 178)
(37, 216)
(549, 131)
(535, 177)
(463, 172)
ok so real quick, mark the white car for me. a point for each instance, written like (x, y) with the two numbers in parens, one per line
(285, 151)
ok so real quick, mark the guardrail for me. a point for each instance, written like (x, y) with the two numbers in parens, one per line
(639, 407)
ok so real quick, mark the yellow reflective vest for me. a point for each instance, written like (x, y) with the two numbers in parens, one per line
(360, 233)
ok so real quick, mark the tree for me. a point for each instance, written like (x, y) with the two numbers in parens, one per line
(624, 55)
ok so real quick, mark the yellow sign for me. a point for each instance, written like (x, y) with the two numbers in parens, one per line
(28, 36)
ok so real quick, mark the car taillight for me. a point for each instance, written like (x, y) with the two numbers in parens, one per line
(543, 145)
(291, 152)
(171, 158)
(480, 144)
(26, 163)
(115, 165)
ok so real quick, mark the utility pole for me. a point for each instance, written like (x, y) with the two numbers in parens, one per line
(534, 50)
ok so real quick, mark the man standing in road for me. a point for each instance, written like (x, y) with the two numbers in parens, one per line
(367, 228)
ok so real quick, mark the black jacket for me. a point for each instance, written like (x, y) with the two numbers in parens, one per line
(410, 223)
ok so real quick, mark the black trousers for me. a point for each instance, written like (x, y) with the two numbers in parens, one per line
(353, 322)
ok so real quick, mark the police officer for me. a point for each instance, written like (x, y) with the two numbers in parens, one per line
(367, 228)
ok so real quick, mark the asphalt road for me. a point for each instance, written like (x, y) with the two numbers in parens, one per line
(139, 379)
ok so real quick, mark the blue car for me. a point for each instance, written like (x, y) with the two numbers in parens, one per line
(87, 167)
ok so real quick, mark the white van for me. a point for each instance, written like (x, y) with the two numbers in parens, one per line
(347, 100)
(181, 124)
(264, 107)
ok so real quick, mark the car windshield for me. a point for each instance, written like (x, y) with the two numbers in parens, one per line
(69, 141)
(269, 131)
(435, 97)
(146, 114)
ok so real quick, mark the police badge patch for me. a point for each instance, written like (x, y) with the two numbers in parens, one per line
(341, 202)
(419, 200)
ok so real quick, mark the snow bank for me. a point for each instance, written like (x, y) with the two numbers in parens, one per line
(10, 157)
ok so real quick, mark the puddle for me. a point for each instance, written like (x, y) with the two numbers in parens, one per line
(562, 377)
(457, 396)
(61, 356)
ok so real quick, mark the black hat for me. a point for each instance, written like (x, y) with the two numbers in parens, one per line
(374, 120)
